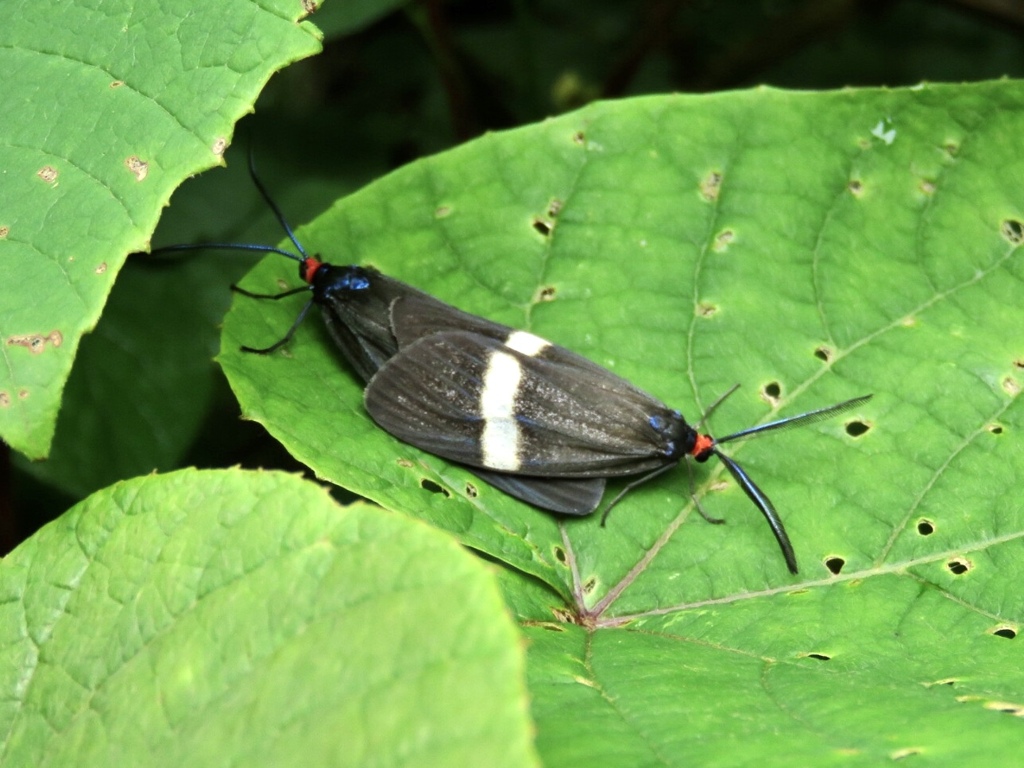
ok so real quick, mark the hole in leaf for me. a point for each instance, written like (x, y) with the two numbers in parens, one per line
(958, 566)
(824, 353)
(430, 485)
(855, 186)
(1008, 632)
(543, 227)
(995, 429)
(588, 585)
(1013, 231)
(546, 293)
(925, 527)
(471, 491)
(579, 137)
(560, 555)
(819, 656)
(1019, 363)
(771, 391)
(856, 428)
(835, 564)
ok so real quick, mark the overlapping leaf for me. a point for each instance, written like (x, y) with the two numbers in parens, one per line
(107, 111)
(199, 617)
(811, 247)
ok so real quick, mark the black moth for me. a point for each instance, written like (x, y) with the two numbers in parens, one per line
(529, 417)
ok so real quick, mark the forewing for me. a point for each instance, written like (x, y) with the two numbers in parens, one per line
(415, 316)
(571, 418)
(568, 496)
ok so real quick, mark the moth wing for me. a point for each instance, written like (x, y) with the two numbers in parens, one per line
(571, 418)
(415, 316)
(567, 496)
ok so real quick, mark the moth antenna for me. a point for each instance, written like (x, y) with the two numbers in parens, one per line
(797, 421)
(274, 206)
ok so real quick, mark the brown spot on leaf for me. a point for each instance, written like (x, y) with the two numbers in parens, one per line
(705, 309)
(5, 399)
(310, 6)
(101, 268)
(856, 187)
(405, 463)
(1011, 386)
(34, 342)
(22, 394)
(899, 754)
(117, 83)
(4, 232)
(471, 491)
(48, 174)
(139, 167)
(1017, 710)
(722, 240)
(927, 187)
(579, 138)
(555, 207)
(442, 211)
(219, 146)
(546, 293)
(710, 186)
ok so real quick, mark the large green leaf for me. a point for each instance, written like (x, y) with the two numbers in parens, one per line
(206, 618)
(811, 247)
(106, 111)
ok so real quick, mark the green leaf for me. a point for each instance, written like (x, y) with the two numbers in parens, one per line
(811, 247)
(199, 617)
(107, 112)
